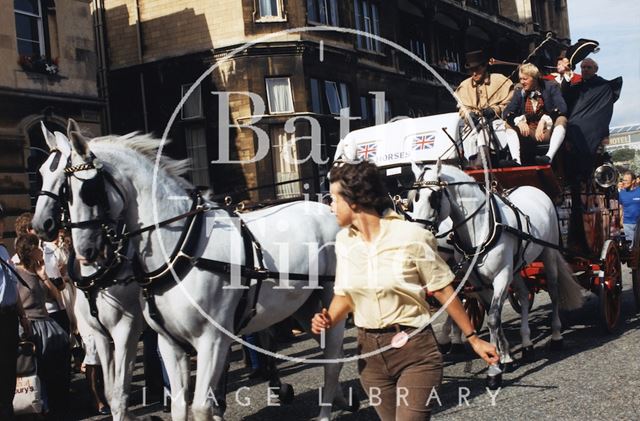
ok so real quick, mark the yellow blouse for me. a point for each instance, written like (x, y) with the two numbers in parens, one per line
(386, 279)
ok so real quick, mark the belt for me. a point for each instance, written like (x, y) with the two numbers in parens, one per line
(8, 309)
(388, 329)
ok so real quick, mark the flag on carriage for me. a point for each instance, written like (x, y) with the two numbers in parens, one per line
(367, 151)
(423, 141)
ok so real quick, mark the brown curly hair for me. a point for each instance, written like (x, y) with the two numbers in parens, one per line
(23, 223)
(361, 185)
(25, 244)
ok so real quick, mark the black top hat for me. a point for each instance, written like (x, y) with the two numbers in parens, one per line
(475, 59)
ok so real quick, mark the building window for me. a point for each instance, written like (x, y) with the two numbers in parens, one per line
(279, 95)
(270, 10)
(196, 144)
(323, 11)
(192, 107)
(418, 48)
(29, 27)
(336, 96)
(372, 109)
(286, 169)
(367, 20)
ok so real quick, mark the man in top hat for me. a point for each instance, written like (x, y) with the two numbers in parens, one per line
(486, 95)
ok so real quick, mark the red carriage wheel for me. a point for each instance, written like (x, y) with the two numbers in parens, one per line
(610, 289)
(475, 311)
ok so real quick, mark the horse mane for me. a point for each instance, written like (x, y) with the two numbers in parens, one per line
(148, 146)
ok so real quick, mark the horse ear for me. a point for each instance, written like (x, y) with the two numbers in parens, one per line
(48, 136)
(79, 143)
(63, 144)
(417, 171)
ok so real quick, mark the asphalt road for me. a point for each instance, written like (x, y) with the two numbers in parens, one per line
(595, 376)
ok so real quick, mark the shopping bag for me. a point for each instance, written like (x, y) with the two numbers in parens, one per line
(28, 399)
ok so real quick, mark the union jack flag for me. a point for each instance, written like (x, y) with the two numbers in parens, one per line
(423, 141)
(367, 151)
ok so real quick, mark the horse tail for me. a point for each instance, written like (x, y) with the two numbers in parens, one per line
(569, 291)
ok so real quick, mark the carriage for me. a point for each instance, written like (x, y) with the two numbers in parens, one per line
(588, 212)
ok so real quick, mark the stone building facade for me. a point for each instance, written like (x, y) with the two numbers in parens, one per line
(157, 49)
(48, 73)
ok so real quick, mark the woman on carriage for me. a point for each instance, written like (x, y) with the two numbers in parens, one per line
(385, 266)
(537, 112)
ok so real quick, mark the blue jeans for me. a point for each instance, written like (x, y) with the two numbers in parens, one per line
(629, 232)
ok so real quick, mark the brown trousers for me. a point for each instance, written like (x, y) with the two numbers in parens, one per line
(400, 381)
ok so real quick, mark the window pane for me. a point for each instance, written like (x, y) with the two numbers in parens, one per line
(28, 48)
(268, 7)
(344, 95)
(29, 6)
(312, 13)
(376, 25)
(193, 105)
(285, 152)
(279, 95)
(333, 99)
(358, 22)
(316, 104)
(364, 108)
(27, 27)
(323, 11)
(195, 141)
(333, 6)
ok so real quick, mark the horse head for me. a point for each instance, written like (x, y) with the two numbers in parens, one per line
(95, 201)
(428, 198)
(47, 218)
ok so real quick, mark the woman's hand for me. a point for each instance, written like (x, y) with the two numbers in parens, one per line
(540, 133)
(320, 322)
(523, 127)
(484, 349)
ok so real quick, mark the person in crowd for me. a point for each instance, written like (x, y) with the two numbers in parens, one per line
(590, 110)
(11, 316)
(93, 373)
(564, 73)
(385, 266)
(51, 340)
(629, 198)
(485, 94)
(538, 112)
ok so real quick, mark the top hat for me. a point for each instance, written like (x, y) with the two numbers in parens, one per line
(475, 59)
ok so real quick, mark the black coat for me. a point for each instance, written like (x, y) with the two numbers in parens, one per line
(554, 104)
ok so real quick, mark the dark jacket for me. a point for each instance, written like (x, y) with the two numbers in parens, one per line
(554, 104)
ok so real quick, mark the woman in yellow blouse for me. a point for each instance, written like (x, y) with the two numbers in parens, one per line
(385, 266)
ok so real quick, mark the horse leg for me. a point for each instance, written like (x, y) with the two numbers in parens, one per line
(176, 362)
(444, 337)
(525, 332)
(494, 321)
(126, 336)
(213, 350)
(334, 337)
(551, 271)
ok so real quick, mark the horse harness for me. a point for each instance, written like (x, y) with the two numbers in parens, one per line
(181, 260)
(495, 221)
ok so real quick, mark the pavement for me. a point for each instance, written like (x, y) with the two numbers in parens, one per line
(594, 376)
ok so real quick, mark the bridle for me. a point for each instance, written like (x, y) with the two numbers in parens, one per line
(439, 190)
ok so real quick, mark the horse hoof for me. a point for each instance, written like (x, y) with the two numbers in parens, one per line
(286, 393)
(444, 348)
(528, 354)
(494, 382)
(507, 367)
(458, 349)
(555, 345)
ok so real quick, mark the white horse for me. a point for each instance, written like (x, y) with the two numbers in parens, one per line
(295, 238)
(446, 191)
(118, 305)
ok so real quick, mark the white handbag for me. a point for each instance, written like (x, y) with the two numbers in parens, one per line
(28, 397)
